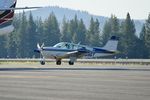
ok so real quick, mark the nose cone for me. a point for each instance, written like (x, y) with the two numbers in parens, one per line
(37, 50)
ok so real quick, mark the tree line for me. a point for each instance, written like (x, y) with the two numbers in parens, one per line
(28, 32)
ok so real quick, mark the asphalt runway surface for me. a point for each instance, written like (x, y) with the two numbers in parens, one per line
(79, 82)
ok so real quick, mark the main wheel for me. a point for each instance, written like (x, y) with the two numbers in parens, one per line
(42, 62)
(71, 63)
(58, 62)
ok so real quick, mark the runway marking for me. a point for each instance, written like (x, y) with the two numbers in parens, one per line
(40, 77)
(68, 76)
(37, 77)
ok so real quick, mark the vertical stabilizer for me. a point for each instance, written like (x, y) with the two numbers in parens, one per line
(112, 44)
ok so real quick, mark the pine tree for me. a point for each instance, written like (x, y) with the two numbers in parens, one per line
(12, 45)
(147, 35)
(51, 31)
(111, 27)
(73, 29)
(142, 49)
(93, 34)
(65, 35)
(3, 50)
(12, 39)
(22, 35)
(96, 36)
(129, 39)
(31, 36)
(106, 32)
(115, 25)
(81, 32)
(90, 32)
(39, 30)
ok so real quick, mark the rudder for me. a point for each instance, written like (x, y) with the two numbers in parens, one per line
(112, 44)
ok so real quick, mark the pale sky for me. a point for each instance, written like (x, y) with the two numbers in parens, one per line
(138, 9)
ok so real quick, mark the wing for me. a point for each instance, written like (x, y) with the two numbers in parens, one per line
(20, 8)
(78, 53)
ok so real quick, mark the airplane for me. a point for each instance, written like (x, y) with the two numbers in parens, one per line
(73, 51)
(7, 8)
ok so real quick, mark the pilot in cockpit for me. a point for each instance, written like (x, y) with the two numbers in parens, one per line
(67, 46)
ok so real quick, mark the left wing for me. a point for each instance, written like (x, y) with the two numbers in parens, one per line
(78, 53)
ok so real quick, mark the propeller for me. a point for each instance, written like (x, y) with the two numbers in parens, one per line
(40, 47)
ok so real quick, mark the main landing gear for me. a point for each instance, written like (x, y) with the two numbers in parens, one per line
(72, 60)
(71, 63)
(58, 61)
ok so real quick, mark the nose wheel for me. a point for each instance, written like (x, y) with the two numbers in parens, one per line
(42, 62)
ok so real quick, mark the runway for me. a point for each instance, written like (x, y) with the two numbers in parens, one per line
(78, 82)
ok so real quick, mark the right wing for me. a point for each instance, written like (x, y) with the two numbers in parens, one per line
(19, 8)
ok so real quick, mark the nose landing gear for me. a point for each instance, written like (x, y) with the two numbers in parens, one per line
(42, 62)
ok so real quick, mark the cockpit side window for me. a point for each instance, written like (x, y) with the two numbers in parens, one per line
(58, 46)
(67, 46)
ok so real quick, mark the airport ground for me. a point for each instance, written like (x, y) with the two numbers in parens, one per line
(31, 81)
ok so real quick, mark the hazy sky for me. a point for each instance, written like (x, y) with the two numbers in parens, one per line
(138, 9)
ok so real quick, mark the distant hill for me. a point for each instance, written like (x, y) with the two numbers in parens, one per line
(69, 14)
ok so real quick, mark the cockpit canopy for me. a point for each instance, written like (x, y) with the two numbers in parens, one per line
(66, 45)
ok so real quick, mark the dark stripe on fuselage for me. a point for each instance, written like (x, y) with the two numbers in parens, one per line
(98, 50)
(55, 49)
(58, 49)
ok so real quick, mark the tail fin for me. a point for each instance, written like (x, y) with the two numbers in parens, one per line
(6, 16)
(112, 44)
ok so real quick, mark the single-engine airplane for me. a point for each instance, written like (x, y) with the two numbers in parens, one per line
(73, 51)
(7, 8)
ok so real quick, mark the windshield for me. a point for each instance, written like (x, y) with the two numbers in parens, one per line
(65, 45)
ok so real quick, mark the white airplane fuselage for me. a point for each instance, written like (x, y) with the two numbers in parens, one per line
(59, 54)
(52, 54)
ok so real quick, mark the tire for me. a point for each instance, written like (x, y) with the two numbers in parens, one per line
(42, 62)
(71, 63)
(58, 62)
